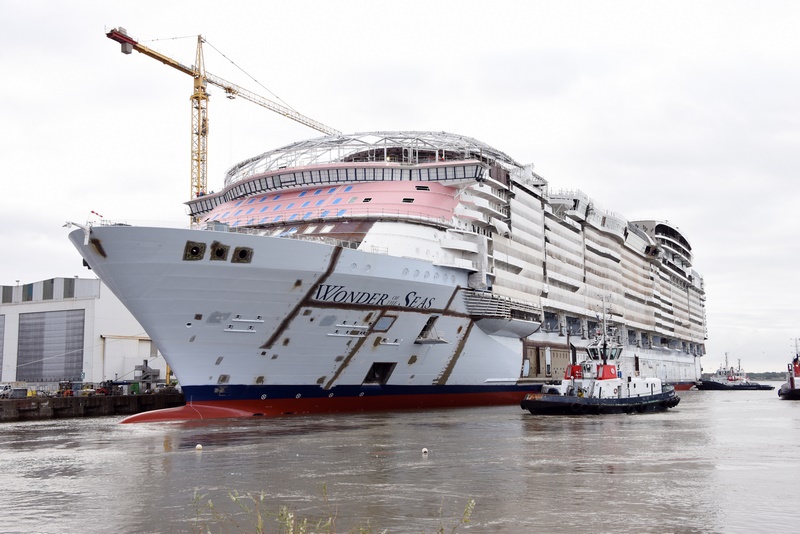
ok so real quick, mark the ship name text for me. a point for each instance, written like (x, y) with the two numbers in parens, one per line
(343, 295)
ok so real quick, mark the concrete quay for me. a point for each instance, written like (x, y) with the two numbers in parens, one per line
(37, 408)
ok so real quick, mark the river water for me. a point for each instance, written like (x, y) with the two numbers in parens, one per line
(720, 462)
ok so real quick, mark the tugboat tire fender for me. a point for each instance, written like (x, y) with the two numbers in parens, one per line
(575, 407)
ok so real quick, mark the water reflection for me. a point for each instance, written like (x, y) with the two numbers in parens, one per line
(702, 467)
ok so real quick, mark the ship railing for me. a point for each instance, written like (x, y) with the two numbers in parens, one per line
(488, 304)
(321, 215)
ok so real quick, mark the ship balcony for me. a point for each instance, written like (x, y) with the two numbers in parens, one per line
(603, 251)
(511, 261)
(458, 263)
(685, 257)
(487, 192)
(565, 280)
(472, 216)
(492, 209)
(459, 244)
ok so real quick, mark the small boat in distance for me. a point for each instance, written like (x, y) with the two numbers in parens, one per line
(596, 386)
(728, 378)
(790, 390)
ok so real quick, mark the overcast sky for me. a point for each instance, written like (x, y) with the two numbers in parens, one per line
(683, 111)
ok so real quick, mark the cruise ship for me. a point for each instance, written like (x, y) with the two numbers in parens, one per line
(396, 270)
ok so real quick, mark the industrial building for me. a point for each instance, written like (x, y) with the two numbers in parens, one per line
(72, 330)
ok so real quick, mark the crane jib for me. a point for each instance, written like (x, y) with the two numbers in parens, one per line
(200, 101)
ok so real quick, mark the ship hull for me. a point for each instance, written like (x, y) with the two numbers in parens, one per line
(786, 392)
(549, 404)
(711, 385)
(371, 401)
(302, 326)
(305, 327)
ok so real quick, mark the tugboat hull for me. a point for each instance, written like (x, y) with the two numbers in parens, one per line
(749, 386)
(550, 404)
(786, 392)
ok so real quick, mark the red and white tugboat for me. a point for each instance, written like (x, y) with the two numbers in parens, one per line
(730, 379)
(790, 390)
(596, 385)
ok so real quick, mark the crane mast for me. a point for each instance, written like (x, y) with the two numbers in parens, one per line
(199, 102)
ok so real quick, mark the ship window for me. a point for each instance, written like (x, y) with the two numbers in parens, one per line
(276, 197)
(223, 379)
(324, 213)
(251, 211)
(348, 188)
(318, 191)
(307, 215)
(237, 213)
(319, 202)
(290, 206)
(219, 252)
(277, 207)
(336, 200)
(306, 203)
(327, 228)
(47, 289)
(293, 217)
(262, 199)
(408, 200)
(262, 210)
(69, 289)
(309, 230)
(226, 215)
(379, 373)
(262, 221)
(215, 217)
(219, 360)
(242, 255)
(251, 200)
(368, 199)
(238, 203)
(236, 223)
(302, 193)
(384, 323)
(352, 199)
(277, 218)
(423, 188)
(194, 251)
(340, 213)
(332, 190)
(259, 380)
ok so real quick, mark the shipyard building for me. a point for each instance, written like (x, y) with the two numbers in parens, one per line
(72, 330)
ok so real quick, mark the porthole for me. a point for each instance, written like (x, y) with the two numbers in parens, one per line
(194, 251)
(219, 252)
(242, 255)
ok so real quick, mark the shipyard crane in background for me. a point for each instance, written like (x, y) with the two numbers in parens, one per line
(199, 102)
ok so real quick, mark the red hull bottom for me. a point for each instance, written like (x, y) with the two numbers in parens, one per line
(683, 386)
(277, 407)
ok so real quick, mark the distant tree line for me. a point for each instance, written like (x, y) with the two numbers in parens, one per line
(767, 376)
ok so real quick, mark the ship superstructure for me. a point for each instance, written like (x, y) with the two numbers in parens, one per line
(397, 270)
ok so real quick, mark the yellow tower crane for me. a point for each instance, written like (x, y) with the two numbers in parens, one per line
(199, 101)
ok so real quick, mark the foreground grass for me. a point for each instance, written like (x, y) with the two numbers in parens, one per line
(254, 517)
